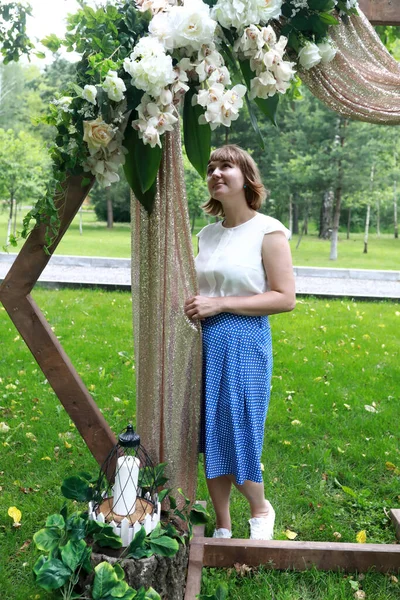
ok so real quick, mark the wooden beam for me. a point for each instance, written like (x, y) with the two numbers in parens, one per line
(301, 556)
(395, 516)
(40, 339)
(196, 557)
(381, 12)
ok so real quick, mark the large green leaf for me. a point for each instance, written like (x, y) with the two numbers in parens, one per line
(141, 167)
(107, 539)
(199, 515)
(52, 575)
(73, 554)
(76, 527)
(105, 579)
(76, 488)
(164, 546)
(48, 539)
(56, 520)
(268, 106)
(151, 594)
(197, 137)
(137, 542)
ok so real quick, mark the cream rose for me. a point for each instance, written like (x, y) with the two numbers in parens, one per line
(97, 134)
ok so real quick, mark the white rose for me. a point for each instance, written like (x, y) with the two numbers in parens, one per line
(269, 9)
(327, 51)
(309, 56)
(89, 93)
(114, 86)
(236, 13)
(151, 69)
(97, 134)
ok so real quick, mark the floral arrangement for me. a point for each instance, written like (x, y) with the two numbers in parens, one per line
(141, 61)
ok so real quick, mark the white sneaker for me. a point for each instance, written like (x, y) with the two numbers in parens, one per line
(222, 533)
(262, 528)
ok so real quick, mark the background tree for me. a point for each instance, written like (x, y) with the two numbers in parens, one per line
(14, 41)
(24, 170)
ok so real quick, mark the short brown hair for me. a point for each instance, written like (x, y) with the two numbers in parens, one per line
(255, 191)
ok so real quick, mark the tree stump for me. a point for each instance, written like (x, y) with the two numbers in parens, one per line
(166, 575)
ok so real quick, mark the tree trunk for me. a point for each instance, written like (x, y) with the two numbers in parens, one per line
(290, 212)
(348, 224)
(15, 219)
(325, 220)
(367, 218)
(193, 221)
(10, 218)
(295, 218)
(396, 226)
(110, 213)
(340, 138)
(80, 221)
(367, 229)
(305, 226)
(378, 217)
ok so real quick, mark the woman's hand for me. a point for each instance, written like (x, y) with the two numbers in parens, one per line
(200, 307)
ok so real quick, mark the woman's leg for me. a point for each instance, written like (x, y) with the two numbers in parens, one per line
(219, 489)
(254, 492)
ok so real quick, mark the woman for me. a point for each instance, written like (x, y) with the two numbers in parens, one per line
(245, 273)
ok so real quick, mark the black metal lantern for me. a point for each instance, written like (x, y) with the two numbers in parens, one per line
(126, 489)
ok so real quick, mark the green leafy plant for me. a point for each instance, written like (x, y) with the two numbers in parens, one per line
(221, 593)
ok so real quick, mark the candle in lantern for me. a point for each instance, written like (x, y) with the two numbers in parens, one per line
(126, 483)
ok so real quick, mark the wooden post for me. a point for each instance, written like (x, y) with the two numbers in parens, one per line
(31, 324)
(381, 12)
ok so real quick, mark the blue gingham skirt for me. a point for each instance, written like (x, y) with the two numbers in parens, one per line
(237, 370)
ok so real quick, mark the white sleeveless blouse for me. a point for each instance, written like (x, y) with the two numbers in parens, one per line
(229, 262)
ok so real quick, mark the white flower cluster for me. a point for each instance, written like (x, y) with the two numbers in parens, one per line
(106, 152)
(297, 5)
(155, 118)
(222, 106)
(149, 66)
(154, 6)
(265, 51)
(240, 13)
(312, 54)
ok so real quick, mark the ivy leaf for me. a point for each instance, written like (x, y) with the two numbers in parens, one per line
(105, 580)
(52, 575)
(48, 539)
(199, 515)
(73, 554)
(75, 488)
(164, 546)
(197, 137)
(141, 167)
(55, 521)
(151, 594)
(137, 542)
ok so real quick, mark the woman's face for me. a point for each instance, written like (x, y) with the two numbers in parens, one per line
(224, 179)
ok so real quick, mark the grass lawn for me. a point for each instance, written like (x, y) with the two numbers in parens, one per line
(97, 240)
(332, 359)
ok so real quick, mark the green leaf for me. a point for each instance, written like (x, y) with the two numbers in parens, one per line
(120, 573)
(76, 488)
(151, 594)
(76, 527)
(162, 495)
(329, 19)
(48, 539)
(52, 42)
(164, 546)
(198, 515)
(108, 540)
(73, 554)
(137, 542)
(221, 593)
(39, 564)
(52, 575)
(268, 106)
(141, 167)
(197, 137)
(55, 521)
(105, 580)
(172, 502)
(254, 123)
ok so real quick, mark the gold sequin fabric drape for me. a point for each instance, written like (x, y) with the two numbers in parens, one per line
(363, 80)
(167, 344)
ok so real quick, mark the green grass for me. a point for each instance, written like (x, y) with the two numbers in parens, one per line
(97, 240)
(331, 359)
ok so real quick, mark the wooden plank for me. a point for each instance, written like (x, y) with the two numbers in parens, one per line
(44, 345)
(196, 556)
(381, 12)
(395, 516)
(301, 556)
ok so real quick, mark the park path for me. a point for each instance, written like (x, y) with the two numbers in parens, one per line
(114, 273)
